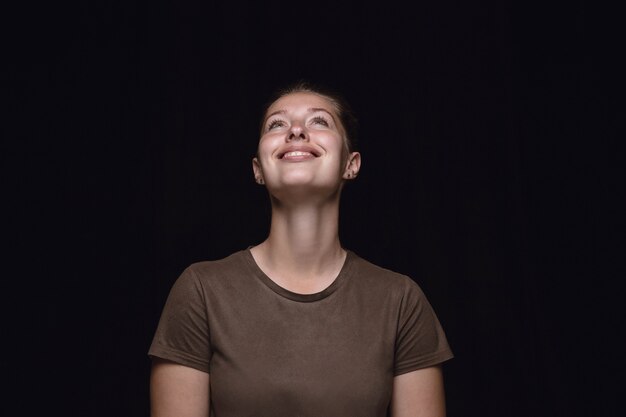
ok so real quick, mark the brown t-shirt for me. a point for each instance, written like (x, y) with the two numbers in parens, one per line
(275, 353)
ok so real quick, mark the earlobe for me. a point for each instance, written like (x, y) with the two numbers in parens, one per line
(353, 165)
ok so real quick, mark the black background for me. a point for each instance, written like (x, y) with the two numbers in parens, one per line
(492, 175)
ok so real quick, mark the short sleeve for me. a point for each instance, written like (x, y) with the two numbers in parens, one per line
(182, 335)
(420, 339)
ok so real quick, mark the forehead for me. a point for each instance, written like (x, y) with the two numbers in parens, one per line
(295, 101)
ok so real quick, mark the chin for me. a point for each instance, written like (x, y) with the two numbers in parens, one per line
(297, 178)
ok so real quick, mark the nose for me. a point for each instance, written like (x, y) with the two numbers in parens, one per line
(297, 132)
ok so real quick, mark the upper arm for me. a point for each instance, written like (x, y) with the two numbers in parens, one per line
(178, 391)
(419, 394)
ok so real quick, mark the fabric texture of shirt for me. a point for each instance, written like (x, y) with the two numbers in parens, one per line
(272, 352)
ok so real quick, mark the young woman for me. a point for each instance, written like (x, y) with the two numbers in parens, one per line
(298, 325)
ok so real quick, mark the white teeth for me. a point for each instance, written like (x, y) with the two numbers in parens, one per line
(297, 153)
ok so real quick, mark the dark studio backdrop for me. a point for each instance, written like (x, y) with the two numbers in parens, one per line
(491, 175)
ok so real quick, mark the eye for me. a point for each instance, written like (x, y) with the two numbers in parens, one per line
(320, 120)
(273, 124)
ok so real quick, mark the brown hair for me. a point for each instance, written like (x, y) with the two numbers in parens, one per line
(344, 111)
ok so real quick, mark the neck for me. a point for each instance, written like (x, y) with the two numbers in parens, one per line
(302, 251)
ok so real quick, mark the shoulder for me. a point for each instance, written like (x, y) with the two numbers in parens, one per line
(209, 269)
(384, 280)
(205, 274)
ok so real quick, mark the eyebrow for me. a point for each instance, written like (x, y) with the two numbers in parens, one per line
(316, 109)
(274, 113)
(310, 110)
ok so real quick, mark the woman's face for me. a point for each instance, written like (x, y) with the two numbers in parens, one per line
(302, 144)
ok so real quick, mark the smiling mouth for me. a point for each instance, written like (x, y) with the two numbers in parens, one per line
(298, 155)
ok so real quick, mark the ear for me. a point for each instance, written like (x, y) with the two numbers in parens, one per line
(258, 171)
(353, 165)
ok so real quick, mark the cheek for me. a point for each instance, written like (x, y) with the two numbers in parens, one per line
(265, 151)
(263, 147)
(336, 143)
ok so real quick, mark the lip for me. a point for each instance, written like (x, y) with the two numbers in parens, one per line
(310, 153)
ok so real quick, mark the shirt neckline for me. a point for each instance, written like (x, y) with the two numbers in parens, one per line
(343, 275)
